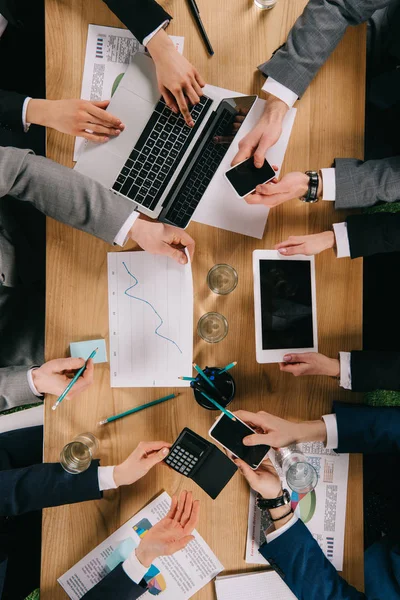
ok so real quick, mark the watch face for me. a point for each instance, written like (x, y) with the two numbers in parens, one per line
(286, 496)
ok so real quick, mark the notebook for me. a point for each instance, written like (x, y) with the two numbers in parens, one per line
(260, 585)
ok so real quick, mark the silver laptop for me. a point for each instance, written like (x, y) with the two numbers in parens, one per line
(158, 162)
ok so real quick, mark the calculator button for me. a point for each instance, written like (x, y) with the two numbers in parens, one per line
(181, 470)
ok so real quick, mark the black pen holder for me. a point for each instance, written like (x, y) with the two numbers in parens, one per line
(224, 383)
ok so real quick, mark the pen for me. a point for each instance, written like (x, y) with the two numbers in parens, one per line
(194, 9)
(204, 376)
(230, 366)
(138, 409)
(73, 380)
(221, 408)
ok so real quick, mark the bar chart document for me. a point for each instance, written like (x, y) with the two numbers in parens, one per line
(150, 301)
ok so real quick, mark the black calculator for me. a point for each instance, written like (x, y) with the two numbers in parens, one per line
(186, 452)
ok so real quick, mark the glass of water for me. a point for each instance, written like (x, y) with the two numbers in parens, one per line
(76, 456)
(222, 279)
(265, 4)
(300, 475)
(212, 327)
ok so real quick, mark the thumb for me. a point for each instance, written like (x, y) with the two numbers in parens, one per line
(156, 457)
(256, 439)
(101, 103)
(178, 255)
(243, 154)
(67, 364)
(293, 358)
(259, 155)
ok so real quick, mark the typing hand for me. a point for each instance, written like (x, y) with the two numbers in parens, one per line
(173, 532)
(271, 430)
(292, 185)
(307, 244)
(178, 80)
(264, 480)
(75, 117)
(310, 363)
(158, 238)
(54, 376)
(139, 463)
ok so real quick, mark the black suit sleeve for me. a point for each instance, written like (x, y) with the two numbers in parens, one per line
(11, 104)
(373, 234)
(141, 17)
(116, 585)
(374, 370)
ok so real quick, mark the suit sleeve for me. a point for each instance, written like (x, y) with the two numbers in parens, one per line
(14, 388)
(11, 104)
(61, 193)
(141, 17)
(116, 584)
(372, 370)
(298, 559)
(45, 485)
(313, 37)
(373, 234)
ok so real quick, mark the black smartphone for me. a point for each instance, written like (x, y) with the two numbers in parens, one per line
(245, 177)
(230, 435)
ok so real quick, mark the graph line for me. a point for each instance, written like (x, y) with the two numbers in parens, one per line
(151, 306)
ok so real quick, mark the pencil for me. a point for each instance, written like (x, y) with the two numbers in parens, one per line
(73, 381)
(208, 380)
(187, 378)
(138, 409)
(221, 408)
(230, 366)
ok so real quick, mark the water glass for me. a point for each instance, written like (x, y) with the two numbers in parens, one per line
(212, 327)
(265, 4)
(222, 279)
(76, 457)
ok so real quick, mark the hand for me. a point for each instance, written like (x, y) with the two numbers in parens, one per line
(271, 430)
(264, 480)
(172, 533)
(292, 185)
(177, 78)
(264, 135)
(310, 363)
(54, 376)
(307, 244)
(75, 117)
(139, 463)
(158, 238)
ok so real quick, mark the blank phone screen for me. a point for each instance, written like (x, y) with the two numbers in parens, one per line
(231, 433)
(246, 177)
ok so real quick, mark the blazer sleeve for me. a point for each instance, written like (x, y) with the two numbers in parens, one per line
(372, 370)
(298, 559)
(313, 37)
(14, 388)
(141, 17)
(373, 234)
(11, 104)
(116, 584)
(45, 485)
(61, 193)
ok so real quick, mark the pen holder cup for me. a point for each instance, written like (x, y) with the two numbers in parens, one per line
(223, 382)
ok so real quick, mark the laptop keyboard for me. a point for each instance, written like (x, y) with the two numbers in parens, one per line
(157, 153)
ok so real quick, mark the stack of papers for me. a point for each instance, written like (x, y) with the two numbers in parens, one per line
(264, 585)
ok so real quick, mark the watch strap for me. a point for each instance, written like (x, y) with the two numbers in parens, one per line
(313, 183)
(267, 504)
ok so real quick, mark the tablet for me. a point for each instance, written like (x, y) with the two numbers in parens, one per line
(284, 305)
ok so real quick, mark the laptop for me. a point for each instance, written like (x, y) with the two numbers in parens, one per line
(159, 163)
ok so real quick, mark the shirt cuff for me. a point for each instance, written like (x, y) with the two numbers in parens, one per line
(106, 479)
(31, 384)
(134, 568)
(3, 25)
(25, 125)
(345, 370)
(122, 235)
(342, 240)
(280, 91)
(275, 534)
(151, 35)
(332, 438)
(329, 187)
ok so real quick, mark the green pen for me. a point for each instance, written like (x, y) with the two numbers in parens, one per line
(137, 409)
(74, 380)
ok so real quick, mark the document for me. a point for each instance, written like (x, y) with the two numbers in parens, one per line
(108, 52)
(323, 510)
(151, 320)
(175, 577)
(262, 585)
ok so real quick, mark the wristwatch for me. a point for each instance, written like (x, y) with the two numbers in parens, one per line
(312, 192)
(264, 504)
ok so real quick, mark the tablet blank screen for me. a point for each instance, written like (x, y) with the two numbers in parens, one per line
(286, 304)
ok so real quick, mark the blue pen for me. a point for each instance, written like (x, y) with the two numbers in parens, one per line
(74, 380)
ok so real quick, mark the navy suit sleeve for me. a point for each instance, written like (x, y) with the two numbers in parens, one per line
(372, 370)
(116, 585)
(141, 17)
(11, 104)
(44, 485)
(373, 234)
(303, 566)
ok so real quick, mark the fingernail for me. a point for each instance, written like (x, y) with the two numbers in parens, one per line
(165, 451)
(283, 250)
(287, 357)
(182, 260)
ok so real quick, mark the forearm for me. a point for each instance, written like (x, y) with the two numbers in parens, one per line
(141, 17)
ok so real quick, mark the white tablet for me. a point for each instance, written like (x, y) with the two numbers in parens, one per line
(285, 305)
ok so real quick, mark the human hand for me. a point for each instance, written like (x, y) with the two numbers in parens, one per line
(139, 463)
(75, 117)
(310, 363)
(158, 238)
(292, 185)
(54, 376)
(264, 135)
(264, 480)
(270, 430)
(173, 532)
(307, 244)
(177, 78)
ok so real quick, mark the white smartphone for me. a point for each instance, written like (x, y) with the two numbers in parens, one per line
(230, 435)
(245, 177)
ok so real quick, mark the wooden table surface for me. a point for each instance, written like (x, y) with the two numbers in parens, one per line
(329, 124)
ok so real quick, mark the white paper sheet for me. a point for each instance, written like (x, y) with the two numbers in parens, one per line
(180, 575)
(265, 585)
(151, 320)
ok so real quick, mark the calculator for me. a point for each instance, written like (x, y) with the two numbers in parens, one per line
(186, 452)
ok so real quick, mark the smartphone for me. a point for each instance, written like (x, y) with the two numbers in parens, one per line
(230, 435)
(245, 177)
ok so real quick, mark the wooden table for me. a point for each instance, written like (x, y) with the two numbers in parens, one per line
(329, 123)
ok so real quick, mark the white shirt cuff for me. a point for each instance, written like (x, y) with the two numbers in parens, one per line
(3, 25)
(342, 240)
(151, 35)
(280, 91)
(25, 125)
(31, 384)
(329, 184)
(106, 479)
(345, 370)
(332, 437)
(272, 536)
(122, 235)
(134, 568)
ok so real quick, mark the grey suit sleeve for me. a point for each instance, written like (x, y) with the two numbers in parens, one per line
(62, 193)
(361, 184)
(14, 388)
(313, 37)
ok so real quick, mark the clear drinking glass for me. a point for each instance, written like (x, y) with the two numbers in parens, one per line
(212, 327)
(300, 475)
(265, 4)
(76, 456)
(222, 279)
